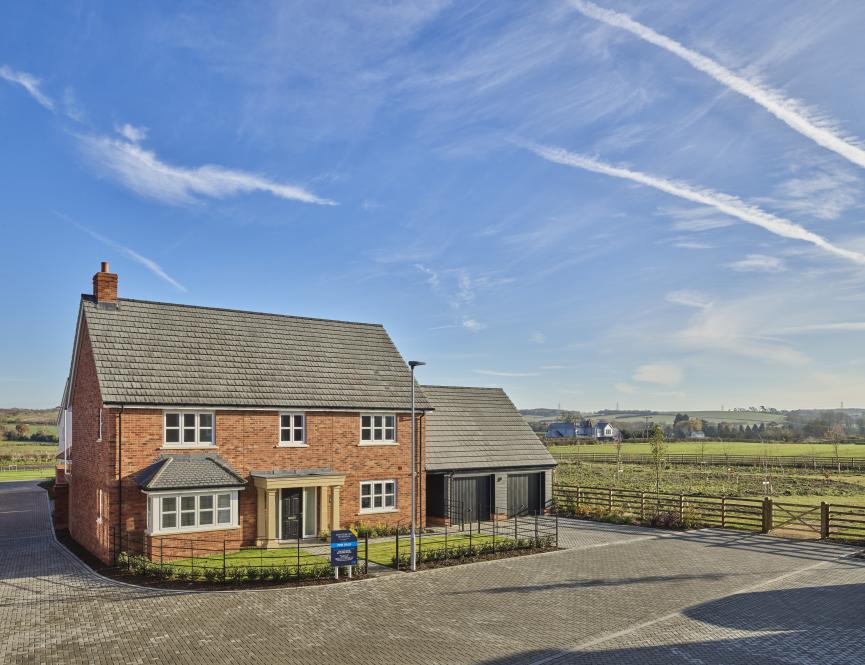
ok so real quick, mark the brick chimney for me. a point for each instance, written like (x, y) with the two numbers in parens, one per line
(105, 285)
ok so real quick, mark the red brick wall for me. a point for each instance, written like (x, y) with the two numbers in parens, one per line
(248, 440)
(91, 477)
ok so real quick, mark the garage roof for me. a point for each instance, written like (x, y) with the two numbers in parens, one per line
(479, 428)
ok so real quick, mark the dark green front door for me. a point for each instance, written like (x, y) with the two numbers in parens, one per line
(292, 514)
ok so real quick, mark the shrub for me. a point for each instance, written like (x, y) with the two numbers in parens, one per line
(253, 573)
(235, 574)
(213, 575)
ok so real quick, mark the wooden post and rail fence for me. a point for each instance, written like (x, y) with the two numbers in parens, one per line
(767, 515)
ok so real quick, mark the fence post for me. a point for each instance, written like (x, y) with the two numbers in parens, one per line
(536, 528)
(578, 498)
(642, 506)
(557, 528)
(298, 549)
(516, 531)
(397, 548)
(824, 520)
(192, 557)
(610, 500)
(366, 554)
(681, 507)
(223, 559)
(767, 515)
(161, 567)
(723, 512)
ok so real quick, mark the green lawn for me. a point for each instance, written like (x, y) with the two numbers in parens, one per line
(725, 448)
(26, 475)
(284, 556)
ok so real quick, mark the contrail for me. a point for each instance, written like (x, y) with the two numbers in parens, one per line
(787, 110)
(729, 205)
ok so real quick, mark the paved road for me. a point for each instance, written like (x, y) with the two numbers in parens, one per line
(619, 595)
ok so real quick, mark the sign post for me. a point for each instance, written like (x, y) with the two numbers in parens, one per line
(343, 550)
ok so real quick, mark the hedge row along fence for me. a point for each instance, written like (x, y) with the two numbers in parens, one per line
(824, 521)
(848, 463)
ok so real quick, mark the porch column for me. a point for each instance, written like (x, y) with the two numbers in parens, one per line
(272, 513)
(261, 517)
(323, 496)
(335, 524)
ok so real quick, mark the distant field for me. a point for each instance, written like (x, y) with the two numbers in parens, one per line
(726, 448)
(26, 475)
(14, 450)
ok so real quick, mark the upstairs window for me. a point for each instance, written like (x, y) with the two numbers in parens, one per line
(377, 429)
(188, 429)
(291, 429)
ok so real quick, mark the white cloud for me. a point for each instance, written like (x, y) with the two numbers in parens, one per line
(490, 372)
(691, 244)
(729, 205)
(825, 193)
(131, 132)
(737, 328)
(758, 263)
(29, 82)
(841, 326)
(695, 219)
(688, 298)
(145, 174)
(538, 337)
(472, 325)
(150, 264)
(788, 111)
(665, 374)
(626, 388)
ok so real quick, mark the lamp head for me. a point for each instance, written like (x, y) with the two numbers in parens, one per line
(415, 363)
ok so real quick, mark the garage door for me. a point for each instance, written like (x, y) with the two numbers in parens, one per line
(470, 499)
(525, 493)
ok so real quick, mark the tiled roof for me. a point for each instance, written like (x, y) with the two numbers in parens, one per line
(478, 428)
(179, 355)
(174, 472)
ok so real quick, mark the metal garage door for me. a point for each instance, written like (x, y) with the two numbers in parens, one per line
(524, 493)
(470, 499)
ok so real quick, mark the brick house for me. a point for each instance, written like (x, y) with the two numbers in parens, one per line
(196, 422)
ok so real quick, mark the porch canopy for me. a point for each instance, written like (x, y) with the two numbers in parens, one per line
(269, 483)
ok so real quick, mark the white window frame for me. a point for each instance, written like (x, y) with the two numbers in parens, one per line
(378, 484)
(373, 428)
(154, 511)
(181, 427)
(292, 442)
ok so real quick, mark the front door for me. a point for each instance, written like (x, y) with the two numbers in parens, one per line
(292, 514)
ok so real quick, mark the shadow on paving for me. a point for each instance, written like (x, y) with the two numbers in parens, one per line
(587, 584)
(815, 625)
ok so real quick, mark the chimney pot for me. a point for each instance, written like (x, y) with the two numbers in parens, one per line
(105, 266)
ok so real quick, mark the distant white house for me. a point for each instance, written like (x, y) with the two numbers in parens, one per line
(601, 431)
(697, 434)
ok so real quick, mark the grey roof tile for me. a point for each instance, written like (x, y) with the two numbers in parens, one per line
(180, 355)
(475, 428)
(174, 472)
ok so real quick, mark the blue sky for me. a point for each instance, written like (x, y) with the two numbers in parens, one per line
(646, 203)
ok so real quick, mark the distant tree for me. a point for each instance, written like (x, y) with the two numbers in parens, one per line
(22, 429)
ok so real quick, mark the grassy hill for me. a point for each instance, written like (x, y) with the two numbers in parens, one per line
(37, 420)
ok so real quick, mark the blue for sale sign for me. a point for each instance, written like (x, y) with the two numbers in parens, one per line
(343, 548)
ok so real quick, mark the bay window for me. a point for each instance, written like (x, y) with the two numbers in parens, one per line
(191, 511)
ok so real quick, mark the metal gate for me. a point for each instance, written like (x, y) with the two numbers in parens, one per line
(470, 499)
(524, 493)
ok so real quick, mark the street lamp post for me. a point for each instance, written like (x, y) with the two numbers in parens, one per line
(412, 553)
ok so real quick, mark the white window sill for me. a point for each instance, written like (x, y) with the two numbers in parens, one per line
(293, 444)
(378, 443)
(370, 511)
(201, 529)
(188, 446)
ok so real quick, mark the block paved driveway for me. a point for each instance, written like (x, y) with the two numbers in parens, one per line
(618, 595)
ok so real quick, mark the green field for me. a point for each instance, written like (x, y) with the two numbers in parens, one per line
(667, 417)
(25, 452)
(786, 485)
(725, 448)
(6, 476)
